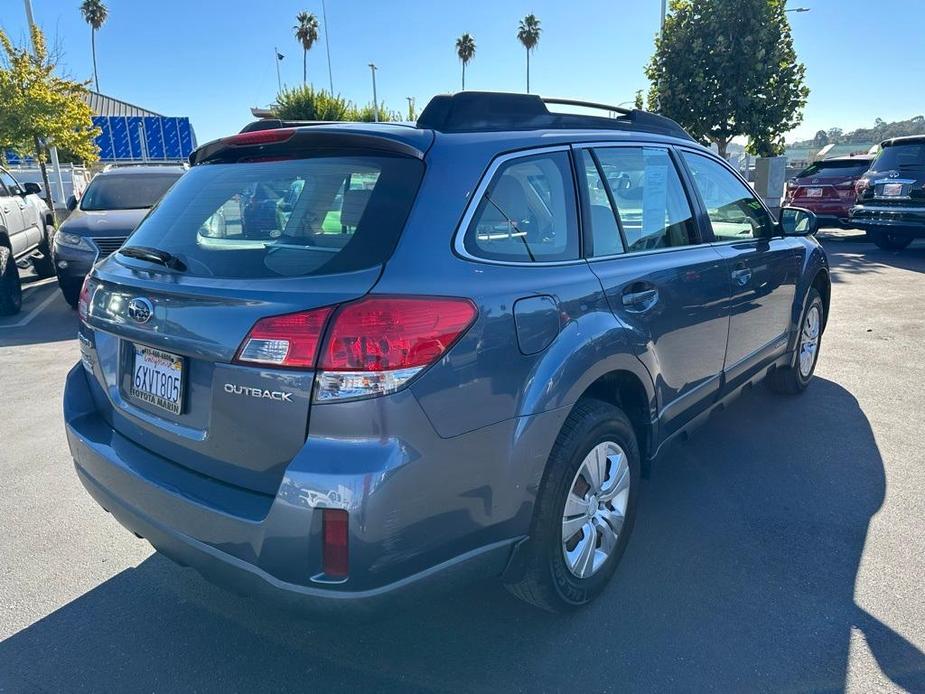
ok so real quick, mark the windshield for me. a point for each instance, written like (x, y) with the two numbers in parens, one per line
(295, 217)
(126, 191)
(835, 169)
(911, 156)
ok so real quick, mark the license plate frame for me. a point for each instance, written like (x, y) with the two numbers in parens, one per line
(891, 190)
(162, 383)
(814, 192)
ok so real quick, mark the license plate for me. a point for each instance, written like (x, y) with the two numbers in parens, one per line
(814, 192)
(157, 378)
(892, 190)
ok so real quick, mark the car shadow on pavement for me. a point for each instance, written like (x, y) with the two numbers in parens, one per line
(849, 253)
(740, 576)
(45, 316)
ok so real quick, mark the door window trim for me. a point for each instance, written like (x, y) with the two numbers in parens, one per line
(706, 223)
(459, 238)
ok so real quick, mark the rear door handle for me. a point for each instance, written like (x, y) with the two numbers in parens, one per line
(639, 301)
(742, 276)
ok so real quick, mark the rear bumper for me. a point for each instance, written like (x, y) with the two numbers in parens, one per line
(269, 546)
(829, 213)
(908, 220)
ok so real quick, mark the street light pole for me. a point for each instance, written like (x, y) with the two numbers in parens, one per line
(279, 82)
(327, 45)
(372, 69)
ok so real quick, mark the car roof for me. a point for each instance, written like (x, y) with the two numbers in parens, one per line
(849, 157)
(905, 140)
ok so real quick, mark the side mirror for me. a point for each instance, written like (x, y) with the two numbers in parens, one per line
(71, 203)
(31, 188)
(795, 221)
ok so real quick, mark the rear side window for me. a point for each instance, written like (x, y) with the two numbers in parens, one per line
(126, 191)
(528, 213)
(651, 203)
(320, 215)
(911, 156)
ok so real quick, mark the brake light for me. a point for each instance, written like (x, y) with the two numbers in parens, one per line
(861, 185)
(85, 298)
(289, 340)
(260, 137)
(377, 344)
(335, 558)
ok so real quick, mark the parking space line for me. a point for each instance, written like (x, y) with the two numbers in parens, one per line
(33, 313)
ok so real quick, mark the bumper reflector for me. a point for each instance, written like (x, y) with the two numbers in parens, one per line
(335, 561)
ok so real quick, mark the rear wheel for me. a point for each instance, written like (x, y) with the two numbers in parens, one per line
(45, 266)
(794, 378)
(10, 288)
(585, 510)
(889, 240)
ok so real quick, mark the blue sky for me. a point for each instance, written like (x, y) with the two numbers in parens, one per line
(212, 60)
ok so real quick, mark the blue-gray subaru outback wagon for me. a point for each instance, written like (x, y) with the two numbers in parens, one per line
(339, 364)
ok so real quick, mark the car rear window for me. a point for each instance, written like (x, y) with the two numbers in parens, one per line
(126, 191)
(911, 156)
(834, 169)
(296, 217)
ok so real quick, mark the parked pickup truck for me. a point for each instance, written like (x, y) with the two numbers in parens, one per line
(26, 235)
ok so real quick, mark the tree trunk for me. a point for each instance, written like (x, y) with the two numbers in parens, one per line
(721, 144)
(96, 79)
(45, 182)
(304, 67)
(464, 76)
(528, 71)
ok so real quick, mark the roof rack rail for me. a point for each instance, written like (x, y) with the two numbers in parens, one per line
(494, 111)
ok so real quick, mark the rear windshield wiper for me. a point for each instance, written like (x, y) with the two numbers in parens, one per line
(154, 255)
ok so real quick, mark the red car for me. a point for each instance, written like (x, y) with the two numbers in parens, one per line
(827, 188)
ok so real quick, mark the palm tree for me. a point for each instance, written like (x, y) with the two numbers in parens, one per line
(465, 49)
(306, 32)
(528, 33)
(95, 14)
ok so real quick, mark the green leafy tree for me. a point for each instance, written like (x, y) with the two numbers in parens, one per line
(307, 103)
(465, 49)
(726, 68)
(528, 33)
(40, 108)
(638, 102)
(306, 33)
(95, 14)
(821, 139)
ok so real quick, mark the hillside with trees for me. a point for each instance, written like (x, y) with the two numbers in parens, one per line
(881, 131)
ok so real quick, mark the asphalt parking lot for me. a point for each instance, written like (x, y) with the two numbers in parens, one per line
(782, 548)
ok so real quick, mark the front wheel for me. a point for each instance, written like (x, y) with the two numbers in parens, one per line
(10, 287)
(585, 509)
(889, 240)
(793, 379)
(45, 266)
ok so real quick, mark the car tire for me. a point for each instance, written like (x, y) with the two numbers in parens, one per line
(45, 266)
(10, 287)
(888, 240)
(71, 292)
(793, 379)
(548, 578)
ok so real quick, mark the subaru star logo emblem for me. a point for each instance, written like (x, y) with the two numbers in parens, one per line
(140, 309)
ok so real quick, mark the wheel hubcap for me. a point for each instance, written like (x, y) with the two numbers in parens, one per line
(595, 509)
(809, 340)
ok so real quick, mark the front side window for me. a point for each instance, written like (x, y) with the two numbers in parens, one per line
(735, 212)
(651, 204)
(126, 191)
(9, 183)
(528, 213)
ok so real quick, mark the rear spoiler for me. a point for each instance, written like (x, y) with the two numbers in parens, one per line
(284, 137)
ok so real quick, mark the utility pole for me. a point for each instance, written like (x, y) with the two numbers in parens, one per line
(327, 45)
(53, 151)
(279, 82)
(372, 69)
(664, 12)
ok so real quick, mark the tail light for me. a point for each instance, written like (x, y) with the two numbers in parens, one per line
(290, 340)
(376, 345)
(86, 298)
(335, 557)
(861, 185)
(370, 347)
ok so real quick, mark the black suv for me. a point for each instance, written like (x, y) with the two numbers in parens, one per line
(891, 195)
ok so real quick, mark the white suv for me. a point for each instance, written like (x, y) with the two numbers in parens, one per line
(26, 233)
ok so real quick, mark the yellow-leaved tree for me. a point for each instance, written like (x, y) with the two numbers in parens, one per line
(39, 109)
